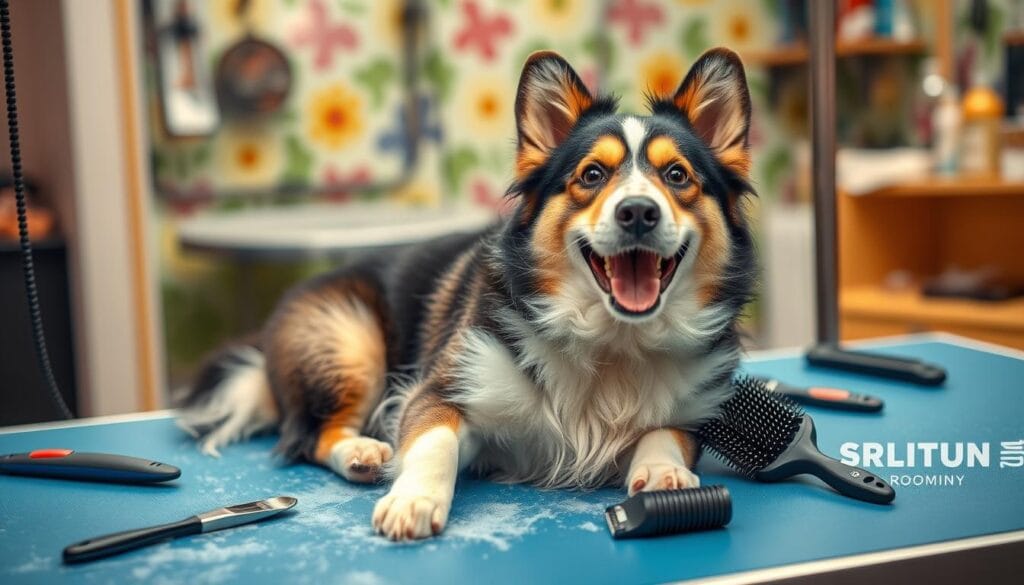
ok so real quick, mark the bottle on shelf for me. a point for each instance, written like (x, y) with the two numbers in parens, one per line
(980, 141)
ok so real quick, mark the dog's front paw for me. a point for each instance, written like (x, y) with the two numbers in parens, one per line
(359, 459)
(660, 476)
(409, 517)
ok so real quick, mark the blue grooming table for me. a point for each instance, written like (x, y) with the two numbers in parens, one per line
(516, 534)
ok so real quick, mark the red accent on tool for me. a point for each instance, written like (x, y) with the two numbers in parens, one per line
(828, 393)
(49, 453)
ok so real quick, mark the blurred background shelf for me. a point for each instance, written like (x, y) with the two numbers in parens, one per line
(796, 54)
(918, 230)
(873, 310)
(953, 187)
(912, 306)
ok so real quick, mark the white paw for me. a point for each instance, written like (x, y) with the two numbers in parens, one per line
(660, 476)
(359, 459)
(409, 517)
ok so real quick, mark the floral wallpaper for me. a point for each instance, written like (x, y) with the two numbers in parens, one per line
(349, 123)
(626, 47)
(344, 124)
(345, 130)
(475, 54)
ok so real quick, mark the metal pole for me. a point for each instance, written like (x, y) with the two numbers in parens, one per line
(823, 164)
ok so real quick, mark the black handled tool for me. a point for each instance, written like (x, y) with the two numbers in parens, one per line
(68, 464)
(897, 368)
(112, 544)
(766, 436)
(803, 456)
(834, 398)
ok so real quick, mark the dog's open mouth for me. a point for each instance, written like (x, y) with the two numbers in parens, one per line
(635, 278)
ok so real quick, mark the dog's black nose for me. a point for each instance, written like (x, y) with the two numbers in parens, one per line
(638, 215)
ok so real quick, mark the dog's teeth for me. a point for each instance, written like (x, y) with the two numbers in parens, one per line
(608, 266)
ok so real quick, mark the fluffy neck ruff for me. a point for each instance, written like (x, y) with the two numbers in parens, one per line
(572, 388)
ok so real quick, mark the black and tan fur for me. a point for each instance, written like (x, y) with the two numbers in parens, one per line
(571, 345)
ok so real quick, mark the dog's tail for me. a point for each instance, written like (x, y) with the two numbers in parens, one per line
(230, 400)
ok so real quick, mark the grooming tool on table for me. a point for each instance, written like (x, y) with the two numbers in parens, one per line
(68, 464)
(834, 398)
(670, 511)
(111, 544)
(872, 364)
(766, 436)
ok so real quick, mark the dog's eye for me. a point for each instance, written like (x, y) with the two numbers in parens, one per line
(592, 176)
(676, 176)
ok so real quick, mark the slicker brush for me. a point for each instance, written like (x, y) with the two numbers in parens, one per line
(766, 436)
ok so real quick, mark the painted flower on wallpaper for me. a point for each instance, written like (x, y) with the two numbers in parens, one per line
(335, 116)
(180, 161)
(557, 16)
(440, 74)
(455, 164)
(637, 17)
(661, 73)
(376, 78)
(481, 32)
(485, 106)
(340, 187)
(247, 157)
(396, 137)
(324, 36)
(740, 25)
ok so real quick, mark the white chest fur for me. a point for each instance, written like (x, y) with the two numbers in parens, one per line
(556, 417)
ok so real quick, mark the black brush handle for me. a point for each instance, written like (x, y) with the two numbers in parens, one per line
(896, 368)
(852, 482)
(119, 542)
(68, 464)
(802, 456)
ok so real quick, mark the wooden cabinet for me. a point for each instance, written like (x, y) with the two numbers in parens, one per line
(922, 228)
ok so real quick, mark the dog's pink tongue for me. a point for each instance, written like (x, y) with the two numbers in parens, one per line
(635, 283)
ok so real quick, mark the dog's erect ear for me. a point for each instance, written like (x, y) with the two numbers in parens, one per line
(715, 99)
(550, 100)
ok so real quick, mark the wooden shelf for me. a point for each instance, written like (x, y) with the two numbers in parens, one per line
(797, 53)
(911, 306)
(880, 46)
(952, 187)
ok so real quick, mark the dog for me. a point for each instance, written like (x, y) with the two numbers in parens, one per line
(575, 344)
